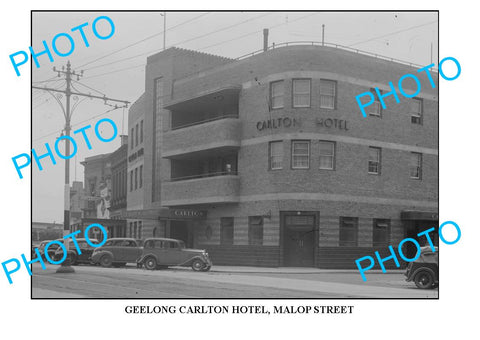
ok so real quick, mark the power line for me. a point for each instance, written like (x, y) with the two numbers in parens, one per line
(255, 32)
(188, 40)
(106, 73)
(83, 121)
(144, 39)
(393, 33)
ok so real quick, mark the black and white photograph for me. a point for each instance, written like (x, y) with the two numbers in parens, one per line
(226, 156)
(239, 170)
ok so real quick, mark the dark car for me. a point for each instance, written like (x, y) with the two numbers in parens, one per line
(73, 255)
(51, 249)
(424, 270)
(118, 252)
(164, 252)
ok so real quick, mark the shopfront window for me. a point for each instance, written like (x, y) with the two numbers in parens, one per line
(255, 230)
(226, 231)
(348, 232)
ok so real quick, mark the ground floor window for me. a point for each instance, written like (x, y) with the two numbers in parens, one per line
(381, 232)
(348, 232)
(255, 230)
(226, 230)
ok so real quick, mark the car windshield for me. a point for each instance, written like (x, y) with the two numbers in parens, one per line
(181, 244)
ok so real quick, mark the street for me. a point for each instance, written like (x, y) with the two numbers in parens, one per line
(220, 282)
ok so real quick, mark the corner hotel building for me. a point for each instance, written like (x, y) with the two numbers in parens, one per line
(267, 160)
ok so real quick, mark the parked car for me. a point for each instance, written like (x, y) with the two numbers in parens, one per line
(164, 252)
(75, 258)
(117, 252)
(51, 250)
(424, 270)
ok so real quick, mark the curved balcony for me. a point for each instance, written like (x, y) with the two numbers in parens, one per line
(216, 188)
(220, 133)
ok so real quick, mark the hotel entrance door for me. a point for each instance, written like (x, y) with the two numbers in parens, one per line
(299, 235)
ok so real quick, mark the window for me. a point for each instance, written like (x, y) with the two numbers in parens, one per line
(131, 139)
(130, 229)
(139, 229)
(327, 94)
(226, 230)
(374, 159)
(348, 231)
(140, 184)
(416, 108)
(136, 135)
(327, 155)
(300, 154)
(134, 229)
(376, 107)
(415, 165)
(301, 92)
(255, 230)
(141, 131)
(136, 178)
(131, 180)
(276, 94)
(275, 155)
(381, 232)
(158, 95)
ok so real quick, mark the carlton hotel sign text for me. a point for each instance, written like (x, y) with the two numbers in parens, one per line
(287, 122)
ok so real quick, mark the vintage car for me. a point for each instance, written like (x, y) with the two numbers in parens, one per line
(51, 249)
(164, 252)
(73, 255)
(424, 270)
(117, 252)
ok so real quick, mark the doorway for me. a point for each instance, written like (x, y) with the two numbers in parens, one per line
(299, 239)
(181, 230)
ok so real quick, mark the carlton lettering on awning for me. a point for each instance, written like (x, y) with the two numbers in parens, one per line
(187, 213)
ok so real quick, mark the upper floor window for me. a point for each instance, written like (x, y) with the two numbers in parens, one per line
(327, 155)
(136, 178)
(136, 135)
(376, 107)
(415, 165)
(374, 159)
(131, 180)
(276, 94)
(275, 155)
(416, 108)
(327, 94)
(140, 184)
(141, 131)
(300, 154)
(158, 95)
(131, 138)
(301, 92)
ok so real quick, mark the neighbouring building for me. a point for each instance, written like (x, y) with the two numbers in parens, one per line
(267, 160)
(46, 231)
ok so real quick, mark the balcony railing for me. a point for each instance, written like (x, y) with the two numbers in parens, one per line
(210, 174)
(204, 121)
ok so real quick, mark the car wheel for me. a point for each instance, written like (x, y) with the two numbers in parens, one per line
(198, 265)
(106, 261)
(206, 268)
(150, 263)
(73, 259)
(424, 280)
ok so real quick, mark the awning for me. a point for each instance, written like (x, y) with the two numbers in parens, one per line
(165, 213)
(419, 215)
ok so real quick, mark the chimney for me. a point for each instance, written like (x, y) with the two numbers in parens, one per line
(265, 39)
(123, 140)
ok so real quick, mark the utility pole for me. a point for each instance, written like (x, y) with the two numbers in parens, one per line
(323, 34)
(164, 30)
(66, 267)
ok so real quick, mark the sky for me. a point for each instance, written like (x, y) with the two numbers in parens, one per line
(115, 67)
